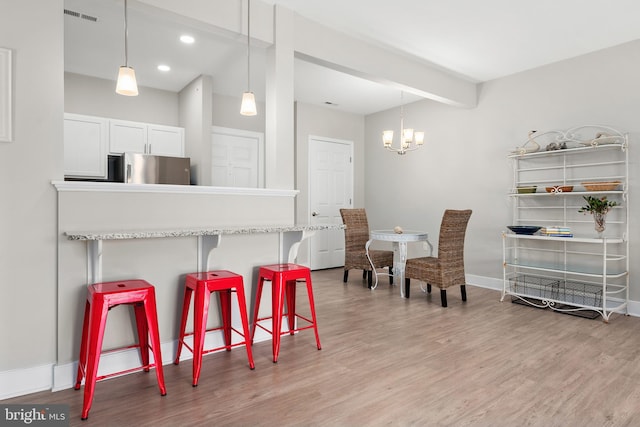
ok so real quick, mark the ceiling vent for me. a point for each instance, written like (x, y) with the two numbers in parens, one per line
(80, 15)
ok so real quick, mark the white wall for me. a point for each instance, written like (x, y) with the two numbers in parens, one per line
(27, 164)
(195, 117)
(97, 97)
(226, 113)
(464, 165)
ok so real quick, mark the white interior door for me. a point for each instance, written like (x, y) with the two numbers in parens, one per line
(236, 158)
(330, 189)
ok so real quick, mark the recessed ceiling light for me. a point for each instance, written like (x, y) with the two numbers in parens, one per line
(187, 39)
(163, 67)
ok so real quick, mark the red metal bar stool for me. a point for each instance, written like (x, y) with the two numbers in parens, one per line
(101, 297)
(223, 282)
(283, 279)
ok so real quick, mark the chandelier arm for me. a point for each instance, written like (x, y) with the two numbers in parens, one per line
(402, 150)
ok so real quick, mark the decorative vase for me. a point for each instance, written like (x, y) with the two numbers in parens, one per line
(600, 219)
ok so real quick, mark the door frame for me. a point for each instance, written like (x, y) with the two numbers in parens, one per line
(351, 145)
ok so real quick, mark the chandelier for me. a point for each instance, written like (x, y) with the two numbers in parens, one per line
(409, 140)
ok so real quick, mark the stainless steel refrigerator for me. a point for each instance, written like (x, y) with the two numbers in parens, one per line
(151, 169)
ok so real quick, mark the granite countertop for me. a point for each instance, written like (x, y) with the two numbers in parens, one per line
(204, 231)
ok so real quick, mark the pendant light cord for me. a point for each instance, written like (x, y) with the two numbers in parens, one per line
(248, 45)
(126, 36)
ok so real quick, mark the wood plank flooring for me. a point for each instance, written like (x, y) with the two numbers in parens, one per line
(387, 361)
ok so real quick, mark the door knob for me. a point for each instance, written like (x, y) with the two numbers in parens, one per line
(314, 213)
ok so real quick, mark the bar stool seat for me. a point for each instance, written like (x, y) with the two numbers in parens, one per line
(101, 297)
(223, 282)
(283, 278)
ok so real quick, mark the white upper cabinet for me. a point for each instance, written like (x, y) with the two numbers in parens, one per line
(136, 137)
(125, 136)
(88, 140)
(85, 146)
(165, 140)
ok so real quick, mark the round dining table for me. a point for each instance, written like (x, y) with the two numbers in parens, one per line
(399, 240)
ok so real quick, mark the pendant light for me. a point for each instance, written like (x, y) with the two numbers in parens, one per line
(126, 84)
(248, 106)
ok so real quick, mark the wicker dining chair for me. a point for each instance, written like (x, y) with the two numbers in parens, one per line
(447, 269)
(356, 235)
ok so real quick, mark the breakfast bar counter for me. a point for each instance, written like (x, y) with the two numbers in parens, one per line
(209, 238)
(204, 231)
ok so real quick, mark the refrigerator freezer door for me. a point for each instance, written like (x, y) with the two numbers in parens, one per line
(150, 169)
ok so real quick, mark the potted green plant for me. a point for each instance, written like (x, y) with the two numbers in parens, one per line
(598, 207)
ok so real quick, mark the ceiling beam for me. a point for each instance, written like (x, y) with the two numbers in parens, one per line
(323, 46)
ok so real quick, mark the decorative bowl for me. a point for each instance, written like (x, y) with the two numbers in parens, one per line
(524, 229)
(527, 189)
(601, 185)
(560, 189)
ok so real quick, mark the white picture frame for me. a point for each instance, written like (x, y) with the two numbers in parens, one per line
(6, 102)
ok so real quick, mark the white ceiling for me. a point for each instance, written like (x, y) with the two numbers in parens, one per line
(475, 40)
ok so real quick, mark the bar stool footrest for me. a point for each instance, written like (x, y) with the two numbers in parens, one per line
(288, 331)
(211, 350)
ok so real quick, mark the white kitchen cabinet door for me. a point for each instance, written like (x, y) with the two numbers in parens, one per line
(165, 140)
(85, 146)
(126, 136)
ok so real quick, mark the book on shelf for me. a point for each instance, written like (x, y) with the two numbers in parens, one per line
(556, 231)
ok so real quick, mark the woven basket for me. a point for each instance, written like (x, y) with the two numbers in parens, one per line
(601, 186)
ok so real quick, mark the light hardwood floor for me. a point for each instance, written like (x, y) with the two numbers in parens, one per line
(391, 361)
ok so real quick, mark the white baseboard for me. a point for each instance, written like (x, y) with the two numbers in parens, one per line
(484, 282)
(19, 382)
(633, 308)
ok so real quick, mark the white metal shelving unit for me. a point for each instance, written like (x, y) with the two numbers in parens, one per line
(586, 271)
